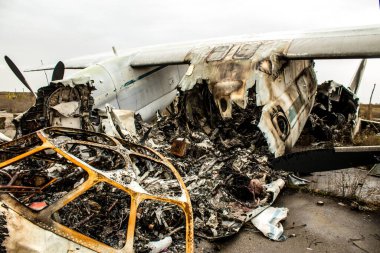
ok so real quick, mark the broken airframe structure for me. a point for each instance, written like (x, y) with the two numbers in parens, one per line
(284, 90)
(224, 166)
(90, 189)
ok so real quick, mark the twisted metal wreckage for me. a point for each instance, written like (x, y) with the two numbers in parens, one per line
(85, 186)
(112, 194)
(201, 167)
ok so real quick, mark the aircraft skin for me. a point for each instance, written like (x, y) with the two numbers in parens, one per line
(278, 67)
(144, 90)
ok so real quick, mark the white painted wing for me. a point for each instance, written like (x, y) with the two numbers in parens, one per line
(76, 63)
(354, 43)
(360, 42)
(345, 43)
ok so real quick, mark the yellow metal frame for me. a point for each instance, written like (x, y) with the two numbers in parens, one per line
(43, 217)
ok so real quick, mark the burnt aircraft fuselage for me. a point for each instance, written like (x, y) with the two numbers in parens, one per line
(283, 89)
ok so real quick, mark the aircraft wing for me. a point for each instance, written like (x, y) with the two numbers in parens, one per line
(76, 63)
(331, 44)
(357, 43)
(363, 42)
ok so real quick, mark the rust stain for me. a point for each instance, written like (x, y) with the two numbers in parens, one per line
(179, 147)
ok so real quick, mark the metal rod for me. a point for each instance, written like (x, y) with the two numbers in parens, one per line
(370, 103)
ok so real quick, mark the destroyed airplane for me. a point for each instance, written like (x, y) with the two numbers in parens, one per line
(276, 70)
(225, 109)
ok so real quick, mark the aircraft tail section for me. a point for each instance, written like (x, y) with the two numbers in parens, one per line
(358, 76)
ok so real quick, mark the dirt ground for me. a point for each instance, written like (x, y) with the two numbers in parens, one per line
(311, 228)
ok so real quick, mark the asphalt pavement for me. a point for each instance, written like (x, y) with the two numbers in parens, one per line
(331, 227)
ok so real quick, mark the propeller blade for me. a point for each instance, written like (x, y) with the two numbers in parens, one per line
(18, 73)
(58, 72)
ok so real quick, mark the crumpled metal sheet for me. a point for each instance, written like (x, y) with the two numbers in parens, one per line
(334, 117)
(268, 222)
(236, 73)
(24, 236)
(118, 123)
(67, 109)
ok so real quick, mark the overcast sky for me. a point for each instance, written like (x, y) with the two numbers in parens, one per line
(52, 30)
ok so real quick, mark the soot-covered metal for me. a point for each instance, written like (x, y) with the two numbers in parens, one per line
(92, 191)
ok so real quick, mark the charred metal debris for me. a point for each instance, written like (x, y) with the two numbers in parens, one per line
(94, 191)
(223, 162)
(109, 194)
(334, 118)
(201, 168)
(59, 105)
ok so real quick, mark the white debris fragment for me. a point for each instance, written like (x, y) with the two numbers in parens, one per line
(67, 109)
(275, 188)
(161, 245)
(136, 187)
(268, 222)
(24, 236)
(266, 218)
(4, 138)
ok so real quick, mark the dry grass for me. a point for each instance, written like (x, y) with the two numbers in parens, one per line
(363, 112)
(351, 184)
